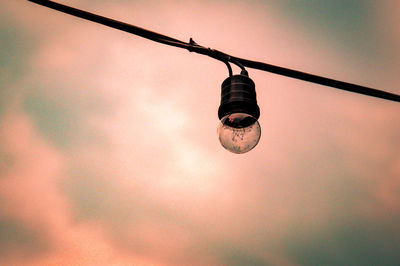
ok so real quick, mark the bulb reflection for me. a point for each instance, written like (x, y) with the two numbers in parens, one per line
(239, 132)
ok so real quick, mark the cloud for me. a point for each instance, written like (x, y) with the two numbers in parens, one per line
(110, 155)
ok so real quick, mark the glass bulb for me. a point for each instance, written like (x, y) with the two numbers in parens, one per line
(239, 132)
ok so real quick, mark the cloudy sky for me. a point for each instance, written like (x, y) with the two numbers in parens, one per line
(108, 146)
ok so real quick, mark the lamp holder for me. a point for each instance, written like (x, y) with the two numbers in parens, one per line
(238, 95)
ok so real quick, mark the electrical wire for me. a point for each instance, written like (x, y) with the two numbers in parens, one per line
(192, 46)
(229, 68)
(320, 80)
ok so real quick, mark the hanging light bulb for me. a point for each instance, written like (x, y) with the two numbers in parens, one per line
(238, 130)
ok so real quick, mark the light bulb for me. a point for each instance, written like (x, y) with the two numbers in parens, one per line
(239, 132)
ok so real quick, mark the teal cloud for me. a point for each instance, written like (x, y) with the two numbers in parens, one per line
(15, 49)
(236, 256)
(350, 26)
(95, 197)
(56, 120)
(16, 237)
(353, 242)
(60, 118)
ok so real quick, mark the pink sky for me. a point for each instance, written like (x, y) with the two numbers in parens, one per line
(109, 147)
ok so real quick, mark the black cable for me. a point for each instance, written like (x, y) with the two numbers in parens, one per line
(229, 68)
(236, 62)
(105, 21)
(224, 59)
(319, 80)
(194, 47)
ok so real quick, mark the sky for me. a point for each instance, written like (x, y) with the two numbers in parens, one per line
(109, 152)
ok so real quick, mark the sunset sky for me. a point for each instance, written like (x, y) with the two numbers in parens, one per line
(109, 153)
